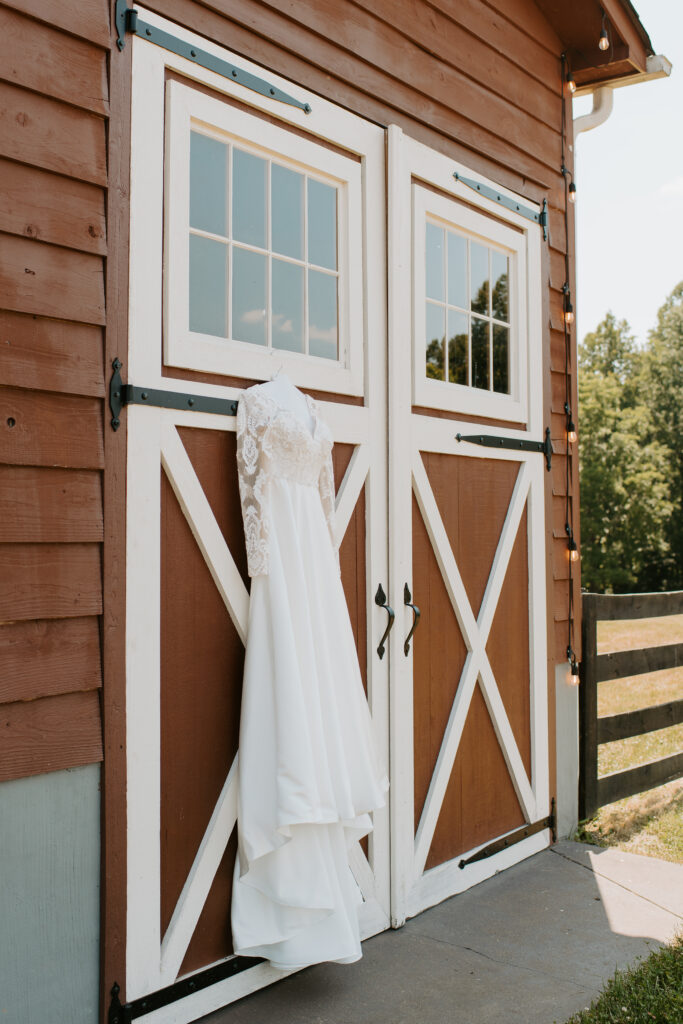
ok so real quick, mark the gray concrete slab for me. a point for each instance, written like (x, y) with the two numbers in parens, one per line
(531, 945)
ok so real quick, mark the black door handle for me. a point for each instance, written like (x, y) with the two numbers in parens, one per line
(408, 600)
(381, 600)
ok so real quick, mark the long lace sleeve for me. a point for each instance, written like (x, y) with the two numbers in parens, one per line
(252, 420)
(327, 497)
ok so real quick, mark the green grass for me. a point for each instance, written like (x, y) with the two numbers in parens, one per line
(649, 993)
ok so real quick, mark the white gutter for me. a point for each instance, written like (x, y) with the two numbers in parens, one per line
(603, 99)
(657, 66)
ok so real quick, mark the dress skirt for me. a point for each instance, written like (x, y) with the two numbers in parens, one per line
(309, 776)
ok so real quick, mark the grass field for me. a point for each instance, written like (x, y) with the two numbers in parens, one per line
(650, 823)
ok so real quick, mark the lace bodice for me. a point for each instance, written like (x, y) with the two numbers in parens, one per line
(273, 442)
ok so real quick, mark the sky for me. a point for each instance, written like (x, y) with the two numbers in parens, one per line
(629, 181)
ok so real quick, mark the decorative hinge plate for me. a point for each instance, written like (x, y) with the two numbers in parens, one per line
(512, 443)
(128, 20)
(540, 217)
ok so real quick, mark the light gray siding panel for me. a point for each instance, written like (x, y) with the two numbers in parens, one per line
(49, 897)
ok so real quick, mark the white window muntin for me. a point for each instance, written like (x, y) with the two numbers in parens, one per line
(188, 110)
(463, 220)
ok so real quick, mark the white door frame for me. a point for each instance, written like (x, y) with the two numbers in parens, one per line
(413, 889)
(154, 445)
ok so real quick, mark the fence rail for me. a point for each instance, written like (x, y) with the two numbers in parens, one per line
(597, 668)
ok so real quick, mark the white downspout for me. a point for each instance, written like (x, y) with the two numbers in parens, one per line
(603, 99)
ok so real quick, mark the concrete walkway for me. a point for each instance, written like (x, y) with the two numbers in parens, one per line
(532, 945)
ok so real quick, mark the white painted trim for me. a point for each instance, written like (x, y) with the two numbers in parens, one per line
(143, 675)
(448, 879)
(491, 233)
(349, 490)
(186, 108)
(205, 529)
(200, 879)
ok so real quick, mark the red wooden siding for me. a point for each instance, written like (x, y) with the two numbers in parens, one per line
(53, 103)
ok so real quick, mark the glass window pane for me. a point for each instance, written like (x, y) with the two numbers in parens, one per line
(480, 353)
(479, 278)
(208, 280)
(500, 274)
(501, 359)
(287, 211)
(457, 347)
(457, 270)
(435, 340)
(248, 198)
(322, 315)
(322, 224)
(208, 184)
(288, 306)
(434, 262)
(249, 296)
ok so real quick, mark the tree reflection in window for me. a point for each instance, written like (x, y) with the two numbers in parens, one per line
(472, 311)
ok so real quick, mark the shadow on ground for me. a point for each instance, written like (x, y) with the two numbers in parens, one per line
(532, 945)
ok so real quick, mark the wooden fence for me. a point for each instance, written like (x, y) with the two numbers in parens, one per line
(595, 668)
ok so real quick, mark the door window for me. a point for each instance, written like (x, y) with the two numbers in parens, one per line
(260, 228)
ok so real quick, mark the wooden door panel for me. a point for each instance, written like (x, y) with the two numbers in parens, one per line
(202, 660)
(213, 454)
(508, 644)
(212, 938)
(439, 654)
(472, 496)
(480, 801)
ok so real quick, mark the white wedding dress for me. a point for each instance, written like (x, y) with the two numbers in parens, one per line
(309, 775)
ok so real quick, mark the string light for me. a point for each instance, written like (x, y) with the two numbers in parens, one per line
(567, 321)
(603, 41)
(574, 678)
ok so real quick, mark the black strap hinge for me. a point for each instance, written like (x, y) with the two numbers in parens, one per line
(540, 217)
(121, 394)
(515, 837)
(513, 444)
(128, 21)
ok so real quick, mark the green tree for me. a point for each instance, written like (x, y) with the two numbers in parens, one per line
(663, 383)
(625, 505)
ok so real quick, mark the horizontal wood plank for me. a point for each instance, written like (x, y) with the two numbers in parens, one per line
(638, 780)
(51, 208)
(47, 657)
(608, 607)
(47, 133)
(49, 734)
(620, 664)
(635, 723)
(51, 355)
(440, 34)
(51, 62)
(38, 428)
(381, 46)
(368, 90)
(68, 15)
(49, 581)
(49, 280)
(47, 505)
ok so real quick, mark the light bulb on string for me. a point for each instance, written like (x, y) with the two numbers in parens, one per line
(571, 84)
(568, 308)
(572, 192)
(573, 550)
(574, 678)
(603, 41)
(571, 432)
